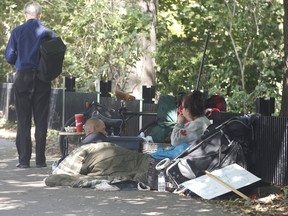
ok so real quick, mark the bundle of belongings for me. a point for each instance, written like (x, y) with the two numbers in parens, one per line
(99, 166)
(103, 166)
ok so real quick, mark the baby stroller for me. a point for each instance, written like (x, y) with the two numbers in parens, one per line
(218, 147)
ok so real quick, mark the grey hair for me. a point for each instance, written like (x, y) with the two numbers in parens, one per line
(32, 8)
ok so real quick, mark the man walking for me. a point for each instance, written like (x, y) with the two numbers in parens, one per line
(31, 94)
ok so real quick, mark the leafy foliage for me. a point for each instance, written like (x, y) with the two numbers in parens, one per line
(244, 59)
(101, 36)
(11, 16)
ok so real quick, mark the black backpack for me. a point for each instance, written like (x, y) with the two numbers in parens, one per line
(51, 59)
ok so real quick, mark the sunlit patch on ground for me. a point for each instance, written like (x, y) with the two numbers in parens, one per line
(8, 204)
(18, 184)
(3, 165)
(153, 213)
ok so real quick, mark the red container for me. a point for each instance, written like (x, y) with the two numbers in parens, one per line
(79, 122)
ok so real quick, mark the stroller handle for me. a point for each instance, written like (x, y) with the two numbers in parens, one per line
(163, 164)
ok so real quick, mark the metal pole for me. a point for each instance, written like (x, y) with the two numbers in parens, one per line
(63, 104)
(202, 62)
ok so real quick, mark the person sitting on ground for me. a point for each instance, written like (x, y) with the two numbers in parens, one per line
(95, 131)
(192, 122)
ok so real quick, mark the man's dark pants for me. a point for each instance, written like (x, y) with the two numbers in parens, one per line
(32, 98)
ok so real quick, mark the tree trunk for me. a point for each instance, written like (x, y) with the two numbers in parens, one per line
(284, 103)
(145, 71)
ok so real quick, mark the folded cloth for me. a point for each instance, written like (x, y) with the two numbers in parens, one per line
(170, 153)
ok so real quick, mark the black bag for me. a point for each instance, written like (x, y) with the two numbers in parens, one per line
(216, 101)
(152, 175)
(218, 147)
(51, 59)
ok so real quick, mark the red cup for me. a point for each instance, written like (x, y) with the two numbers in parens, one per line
(79, 122)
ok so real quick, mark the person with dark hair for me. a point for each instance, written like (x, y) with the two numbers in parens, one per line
(180, 99)
(192, 122)
(32, 96)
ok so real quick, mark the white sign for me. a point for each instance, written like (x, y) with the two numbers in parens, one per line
(233, 175)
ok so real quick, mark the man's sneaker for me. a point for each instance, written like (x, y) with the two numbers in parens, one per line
(22, 165)
(41, 165)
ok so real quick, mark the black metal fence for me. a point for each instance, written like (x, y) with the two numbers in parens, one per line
(64, 104)
(7, 105)
(270, 147)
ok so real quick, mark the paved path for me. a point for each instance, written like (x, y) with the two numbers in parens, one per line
(23, 192)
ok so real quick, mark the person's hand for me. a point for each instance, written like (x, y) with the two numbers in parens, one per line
(181, 118)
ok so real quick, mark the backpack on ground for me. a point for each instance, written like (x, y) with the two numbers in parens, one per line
(216, 101)
(166, 119)
(218, 147)
(52, 54)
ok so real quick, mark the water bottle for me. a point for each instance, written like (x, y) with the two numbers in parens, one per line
(54, 165)
(161, 182)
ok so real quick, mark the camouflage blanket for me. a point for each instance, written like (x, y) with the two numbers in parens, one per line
(99, 164)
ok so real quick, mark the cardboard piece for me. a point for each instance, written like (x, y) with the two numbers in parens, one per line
(208, 188)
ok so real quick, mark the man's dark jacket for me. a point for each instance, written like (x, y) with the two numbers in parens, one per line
(94, 138)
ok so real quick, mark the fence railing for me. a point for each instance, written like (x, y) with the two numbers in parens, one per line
(64, 104)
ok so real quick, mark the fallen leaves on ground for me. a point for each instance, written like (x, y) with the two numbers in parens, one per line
(273, 204)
